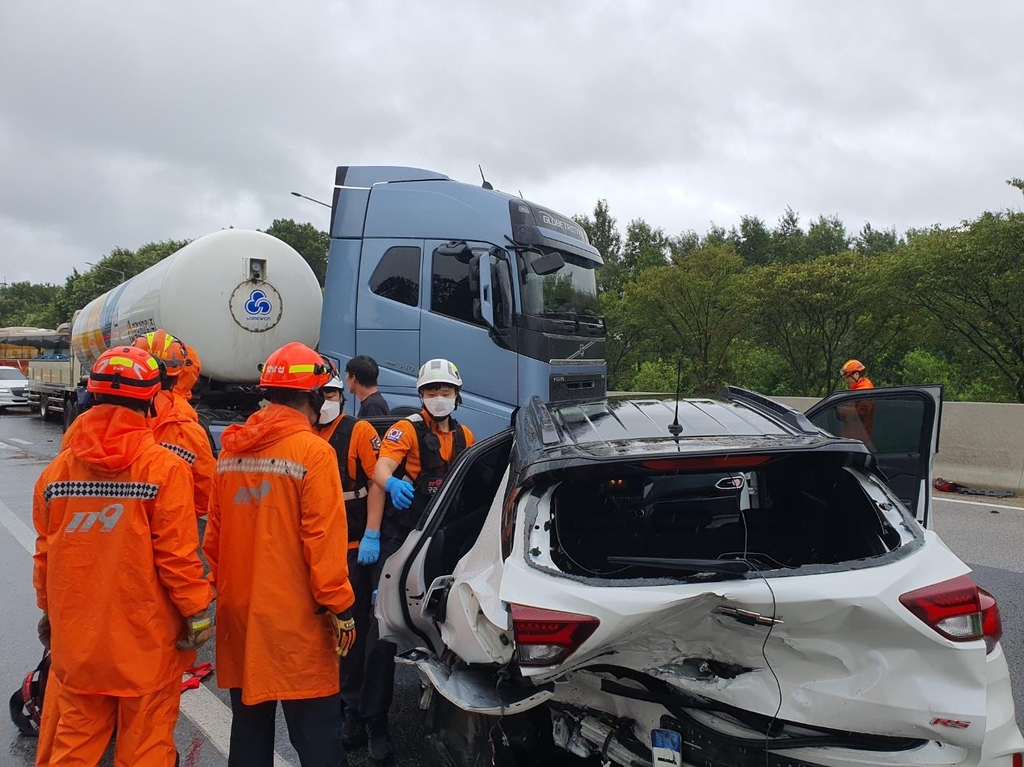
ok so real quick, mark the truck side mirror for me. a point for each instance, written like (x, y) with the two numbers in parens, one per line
(548, 263)
(458, 248)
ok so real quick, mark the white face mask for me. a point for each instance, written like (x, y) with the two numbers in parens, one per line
(439, 407)
(329, 411)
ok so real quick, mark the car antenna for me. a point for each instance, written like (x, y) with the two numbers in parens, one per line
(486, 184)
(521, 195)
(674, 428)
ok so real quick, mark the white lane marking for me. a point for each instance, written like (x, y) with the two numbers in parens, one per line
(4, 445)
(978, 503)
(20, 441)
(213, 718)
(206, 710)
(22, 533)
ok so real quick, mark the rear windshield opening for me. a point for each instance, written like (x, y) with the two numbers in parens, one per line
(787, 512)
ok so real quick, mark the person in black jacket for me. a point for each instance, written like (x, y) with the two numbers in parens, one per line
(361, 378)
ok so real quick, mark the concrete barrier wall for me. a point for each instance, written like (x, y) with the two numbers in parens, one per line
(981, 444)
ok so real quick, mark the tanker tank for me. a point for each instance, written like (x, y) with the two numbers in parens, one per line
(234, 295)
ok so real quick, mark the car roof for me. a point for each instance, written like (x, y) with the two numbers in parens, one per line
(639, 425)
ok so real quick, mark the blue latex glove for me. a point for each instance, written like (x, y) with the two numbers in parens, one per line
(401, 492)
(369, 547)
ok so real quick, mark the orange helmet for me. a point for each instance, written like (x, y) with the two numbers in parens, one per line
(126, 371)
(851, 367)
(295, 366)
(166, 348)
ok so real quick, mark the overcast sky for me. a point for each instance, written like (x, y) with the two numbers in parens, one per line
(124, 122)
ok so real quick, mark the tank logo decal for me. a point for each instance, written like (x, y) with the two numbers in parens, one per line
(256, 307)
(258, 303)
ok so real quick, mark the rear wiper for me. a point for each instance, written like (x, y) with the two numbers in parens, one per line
(724, 566)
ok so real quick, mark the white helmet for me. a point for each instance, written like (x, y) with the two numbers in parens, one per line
(438, 371)
(335, 383)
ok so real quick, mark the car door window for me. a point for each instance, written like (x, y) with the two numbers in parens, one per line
(897, 426)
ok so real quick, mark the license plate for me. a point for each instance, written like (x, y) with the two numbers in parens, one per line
(667, 748)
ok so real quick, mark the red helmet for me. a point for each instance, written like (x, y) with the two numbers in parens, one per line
(851, 367)
(295, 366)
(166, 348)
(126, 371)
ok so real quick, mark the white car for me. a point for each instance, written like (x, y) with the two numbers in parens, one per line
(12, 387)
(708, 583)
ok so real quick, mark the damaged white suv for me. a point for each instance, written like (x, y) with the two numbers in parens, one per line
(715, 583)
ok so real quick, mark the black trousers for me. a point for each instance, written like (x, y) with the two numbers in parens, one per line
(314, 729)
(368, 671)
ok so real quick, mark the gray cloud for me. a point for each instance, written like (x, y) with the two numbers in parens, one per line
(123, 123)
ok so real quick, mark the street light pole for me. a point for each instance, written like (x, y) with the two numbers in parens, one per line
(108, 268)
(318, 202)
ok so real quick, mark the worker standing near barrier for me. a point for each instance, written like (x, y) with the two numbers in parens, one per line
(175, 423)
(858, 417)
(275, 544)
(415, 456)
(356, 445)
(118, 576)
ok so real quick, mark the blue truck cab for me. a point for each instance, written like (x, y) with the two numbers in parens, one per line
(421, 266)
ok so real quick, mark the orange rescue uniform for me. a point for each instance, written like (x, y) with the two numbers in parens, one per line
(275, 543)
(176, 426)
(400, 443)
(116, 569)
(859, 417)
(189, 374)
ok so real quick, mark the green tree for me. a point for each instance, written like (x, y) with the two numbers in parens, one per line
(310, 243)
(818, 313)
(788, 239)
(970, 278)
(826, 237)
(698, 300)
(645, 246)
(603, 233)
(29, 304)
(755, 241)
(874, 242)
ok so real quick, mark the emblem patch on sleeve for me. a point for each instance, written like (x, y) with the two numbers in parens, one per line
(394, 434)
(375, 443)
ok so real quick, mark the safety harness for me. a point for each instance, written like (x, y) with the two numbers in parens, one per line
(433, 469)
(355, 488)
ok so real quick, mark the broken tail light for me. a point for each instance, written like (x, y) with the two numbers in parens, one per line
(957, 610)
(546, 637)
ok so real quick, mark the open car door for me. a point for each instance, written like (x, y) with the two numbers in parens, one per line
(413, 592)
(900, 426)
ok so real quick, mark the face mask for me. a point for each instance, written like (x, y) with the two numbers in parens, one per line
(329, 411)
(440, 407)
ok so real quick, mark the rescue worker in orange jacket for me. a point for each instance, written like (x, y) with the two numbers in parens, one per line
(189, 374)
(355, 444)
(117, 575)
(176, 425)
(275, 544)
(858, 417)
(415, 456)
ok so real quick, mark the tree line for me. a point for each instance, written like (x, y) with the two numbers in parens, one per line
(780, 309)
(776, 309)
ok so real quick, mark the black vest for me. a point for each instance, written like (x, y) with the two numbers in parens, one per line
(355, 488)
(433, 470)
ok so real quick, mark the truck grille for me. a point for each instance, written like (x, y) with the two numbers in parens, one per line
(570, 388)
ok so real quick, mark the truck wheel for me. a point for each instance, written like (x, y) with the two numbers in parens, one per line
(44, 408)
(70, 412)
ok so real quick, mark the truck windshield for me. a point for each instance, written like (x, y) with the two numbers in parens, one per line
(571, 291)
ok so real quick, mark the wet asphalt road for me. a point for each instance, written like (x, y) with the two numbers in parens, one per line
(989, 538)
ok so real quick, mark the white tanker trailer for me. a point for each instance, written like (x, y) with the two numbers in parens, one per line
(234, 295)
